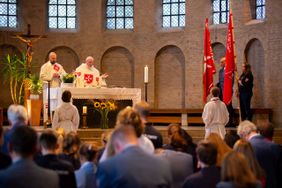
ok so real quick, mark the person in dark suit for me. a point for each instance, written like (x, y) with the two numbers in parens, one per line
(267, 152)
(49, 159)
(132, 166)
(24, 173)
(17, 116)
(209, 175)
(245, 84)
(143, 108)
(5, 160)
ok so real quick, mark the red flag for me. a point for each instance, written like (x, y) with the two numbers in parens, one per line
(209, 67)
(230, 63)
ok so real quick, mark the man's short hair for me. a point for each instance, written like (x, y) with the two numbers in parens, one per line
(24, 141)
(89, 58)
(66, 96)
(245, 128)
(215, 92)
(207, 153)
(123, 134)
(266, 129)
(48, 140)
(143, 108)
(17, 113)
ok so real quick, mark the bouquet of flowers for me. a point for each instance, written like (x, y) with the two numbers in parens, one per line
(104, 107)
(68, 78)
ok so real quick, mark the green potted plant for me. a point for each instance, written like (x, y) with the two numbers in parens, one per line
(35, 86)
(15, 72)
(68, 80)
(34, 104)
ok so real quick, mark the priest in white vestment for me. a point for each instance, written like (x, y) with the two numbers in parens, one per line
(215, 115)
(89, 75)
(52, 71)
(66, 115)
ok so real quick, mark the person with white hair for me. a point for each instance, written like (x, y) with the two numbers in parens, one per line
(89, 74)
(52, 71)
(17, 116)
(266, 152)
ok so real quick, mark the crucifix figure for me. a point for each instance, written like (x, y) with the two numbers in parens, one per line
(27, 38)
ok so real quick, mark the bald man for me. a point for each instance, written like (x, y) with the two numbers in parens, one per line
(52, 71)
(89, 74)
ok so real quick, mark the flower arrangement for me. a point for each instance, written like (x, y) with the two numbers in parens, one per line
(68, 78)
(34, 84)
(104, 107)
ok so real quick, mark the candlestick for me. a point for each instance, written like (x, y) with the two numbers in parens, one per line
(146, 74)
(84, 110)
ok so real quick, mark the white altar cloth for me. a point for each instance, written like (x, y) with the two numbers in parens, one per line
(133, 94)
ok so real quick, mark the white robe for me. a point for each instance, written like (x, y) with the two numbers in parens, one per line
(90, 76)
(215, 116)
(47, 70)
(67, 117)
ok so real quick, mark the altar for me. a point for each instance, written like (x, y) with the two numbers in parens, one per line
(85, 98)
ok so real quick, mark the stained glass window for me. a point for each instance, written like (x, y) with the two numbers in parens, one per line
(173, 13)
(220, 11)
(260, 9)
(8, 13)
(62, 14)
(119, 14)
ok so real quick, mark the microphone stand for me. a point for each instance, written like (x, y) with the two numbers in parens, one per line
(48, 122)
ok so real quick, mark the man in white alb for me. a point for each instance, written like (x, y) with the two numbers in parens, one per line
(89, 74)
(215, 115)
(52, 71)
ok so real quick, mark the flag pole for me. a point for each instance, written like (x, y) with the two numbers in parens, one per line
(236, 70)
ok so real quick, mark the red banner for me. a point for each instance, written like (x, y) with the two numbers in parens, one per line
(209, 67)
(230, 63)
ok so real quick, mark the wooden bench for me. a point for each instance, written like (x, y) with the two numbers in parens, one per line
(193, 117)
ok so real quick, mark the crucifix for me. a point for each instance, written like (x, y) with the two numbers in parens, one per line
(29, 40)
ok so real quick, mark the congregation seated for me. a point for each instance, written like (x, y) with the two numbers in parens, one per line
(17, 116)
(49, 144)
(5, 159)
(71, 146)
(180, 140)
(24, 172)
(209, 174)
(236, 172)
(181, 165)
(222, 147)
(132, 166)
(266, 152)
(244, 147)
(231, 138)
(143, 108)
(86, 175)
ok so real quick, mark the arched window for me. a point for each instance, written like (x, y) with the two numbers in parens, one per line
(260, 9)
(119, 14)
(8, 13)
(220, 11)
(173, 13)
(62, 14)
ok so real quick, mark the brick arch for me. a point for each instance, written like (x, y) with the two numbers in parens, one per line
(169, 78)
(254, 55)
(118, 62)
(5, 49)
(66, 56)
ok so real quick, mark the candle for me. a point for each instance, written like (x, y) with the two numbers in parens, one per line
(84, 110)
(146, 74)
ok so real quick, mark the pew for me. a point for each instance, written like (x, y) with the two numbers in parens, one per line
(193, 117)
